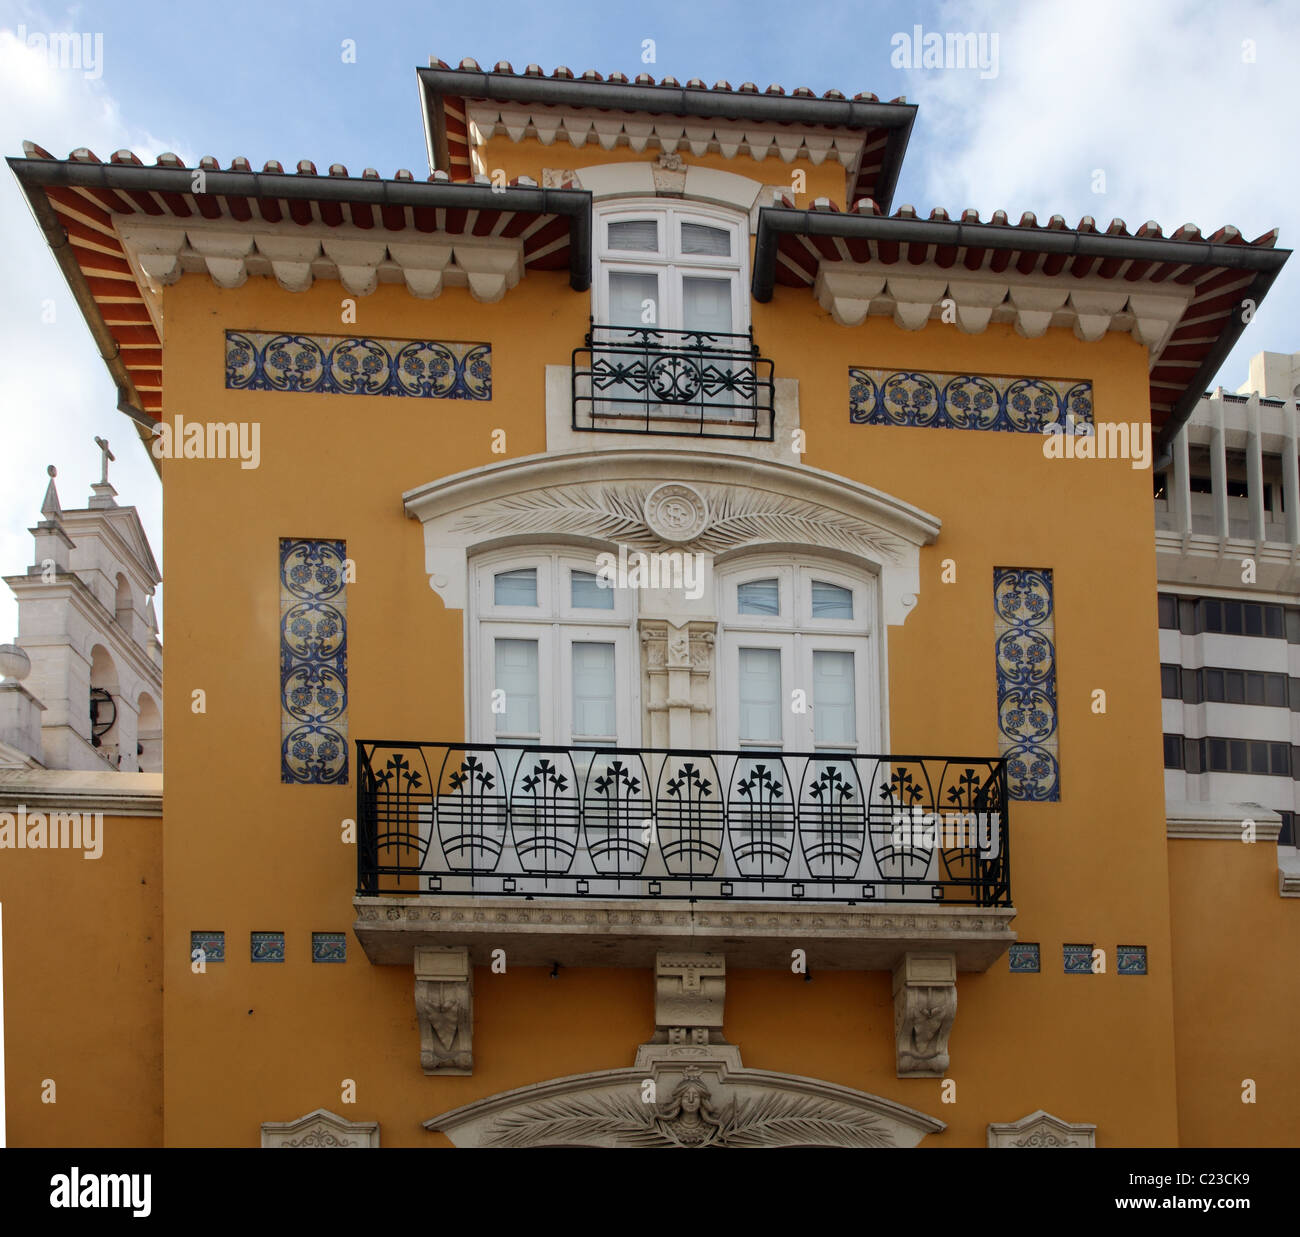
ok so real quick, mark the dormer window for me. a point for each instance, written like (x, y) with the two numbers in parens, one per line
(670, 346)
(672, 268)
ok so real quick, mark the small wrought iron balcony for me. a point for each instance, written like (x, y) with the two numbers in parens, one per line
(646, 380)
(512, 820)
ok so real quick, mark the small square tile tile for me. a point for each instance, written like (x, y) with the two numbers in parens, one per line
(1131, 959)
(1078, 959)
(329, 947)
(267, 947)
(213, 945)
(1024, 959)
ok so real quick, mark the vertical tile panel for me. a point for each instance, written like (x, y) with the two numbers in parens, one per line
(1024, 632)
(313, 662)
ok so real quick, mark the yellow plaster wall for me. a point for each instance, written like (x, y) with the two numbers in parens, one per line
(1236, 995)
(83, 1004)
(246, 853)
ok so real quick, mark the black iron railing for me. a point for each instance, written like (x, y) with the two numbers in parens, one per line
(578, 821)
(645, 380)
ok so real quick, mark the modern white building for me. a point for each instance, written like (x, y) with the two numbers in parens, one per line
(81, 686)
(1228, 562)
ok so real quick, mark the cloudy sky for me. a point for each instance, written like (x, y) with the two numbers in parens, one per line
(1189, 110)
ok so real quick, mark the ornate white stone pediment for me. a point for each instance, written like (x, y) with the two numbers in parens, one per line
(685, 1095)
(1041, 1129)
(717, 504)
(320, 1128)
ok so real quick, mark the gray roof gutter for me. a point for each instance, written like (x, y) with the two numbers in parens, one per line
(774, 222)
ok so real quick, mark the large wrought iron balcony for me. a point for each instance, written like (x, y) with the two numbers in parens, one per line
(647, 380)
(517, 821)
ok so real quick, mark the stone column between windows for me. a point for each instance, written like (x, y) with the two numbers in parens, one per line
(1254, 469)
(1291, 469)
(1179, 482)
(677, 665)
(1219, 469)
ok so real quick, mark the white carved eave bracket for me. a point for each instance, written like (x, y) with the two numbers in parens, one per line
(1091, 307)
(702, 1096)
(1041, 1129)
(320, 1129)
(600, 498)
(702, 134)
(164, 250)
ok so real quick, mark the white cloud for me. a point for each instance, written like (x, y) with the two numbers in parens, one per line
(55, 394)
(1160, 96)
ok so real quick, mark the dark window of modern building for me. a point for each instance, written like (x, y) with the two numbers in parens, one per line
(1275, 691)
(1194, 755)
(1213, 685)
(1187, 616)
(1193, 692)
(1274, 622)
(1200, 485)
(1167, 606)
(1234, 683)
(1170, 688)
(1286, 837)
(1293, 626)
(1173, 751)
(1295, 695)
(1282, 761)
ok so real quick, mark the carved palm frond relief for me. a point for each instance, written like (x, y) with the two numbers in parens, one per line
(737, 517)
(580, 1121)
(743, 517)
(777, 1120)
(598, 511)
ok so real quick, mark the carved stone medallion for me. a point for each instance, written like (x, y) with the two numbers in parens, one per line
(676, 512)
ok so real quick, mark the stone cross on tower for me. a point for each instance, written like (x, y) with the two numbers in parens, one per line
(103, 493)
(102, 444)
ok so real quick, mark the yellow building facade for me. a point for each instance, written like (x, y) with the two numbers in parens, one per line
(661, 652)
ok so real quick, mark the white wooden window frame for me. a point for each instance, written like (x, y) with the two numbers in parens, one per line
(798, 635)
(556, 625)
(670, 263)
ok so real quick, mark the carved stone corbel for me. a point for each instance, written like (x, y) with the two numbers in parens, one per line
(444, 1002)
(690, 992)
(925, 1003)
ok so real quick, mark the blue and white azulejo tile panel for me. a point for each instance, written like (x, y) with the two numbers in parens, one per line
(329, 947)
(1023, 958)
(1077, 959)
(353, 365)
(266, 946)
(1131, 959)
(968, 401)
(1024, 633)
(313, 662)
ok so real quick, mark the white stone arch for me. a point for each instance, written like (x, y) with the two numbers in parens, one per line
(150, 734)
(105, 675)
(730, 1106)
(599, 498)
(716, 506)
(124, 601)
